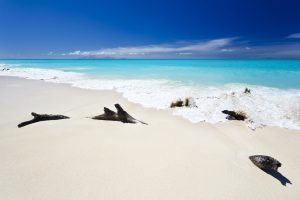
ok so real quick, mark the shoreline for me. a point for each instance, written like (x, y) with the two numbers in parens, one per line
(171, 158)
(210, 101)
(168, 111)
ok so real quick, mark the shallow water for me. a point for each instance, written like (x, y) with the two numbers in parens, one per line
(215, 85)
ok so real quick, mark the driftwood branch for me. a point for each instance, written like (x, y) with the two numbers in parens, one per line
(121, 115)
(42, 117)
(232, 115)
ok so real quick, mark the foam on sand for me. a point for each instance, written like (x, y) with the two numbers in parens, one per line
(263, 106)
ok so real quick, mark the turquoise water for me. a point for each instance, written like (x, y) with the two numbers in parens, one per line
(212, 85)
(283, 74)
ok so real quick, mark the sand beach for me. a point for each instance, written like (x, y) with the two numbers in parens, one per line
(170, 158)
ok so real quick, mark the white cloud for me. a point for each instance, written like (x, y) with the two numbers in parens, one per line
(218, 48)
(227, 50)
(184, 53)
(168, 49)
(294, 36)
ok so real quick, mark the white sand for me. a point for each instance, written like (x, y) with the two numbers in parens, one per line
(171, 158)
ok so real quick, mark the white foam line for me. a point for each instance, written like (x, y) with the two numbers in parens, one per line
(264, 106)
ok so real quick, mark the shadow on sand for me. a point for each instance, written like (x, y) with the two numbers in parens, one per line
(283, 180)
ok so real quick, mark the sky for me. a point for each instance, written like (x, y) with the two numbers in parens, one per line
(150, 29)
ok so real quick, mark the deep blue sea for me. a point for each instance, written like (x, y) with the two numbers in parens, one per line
(214, 85)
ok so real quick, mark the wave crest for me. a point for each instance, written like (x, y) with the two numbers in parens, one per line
(263, 106)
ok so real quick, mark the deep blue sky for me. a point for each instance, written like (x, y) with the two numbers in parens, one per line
(133, 28)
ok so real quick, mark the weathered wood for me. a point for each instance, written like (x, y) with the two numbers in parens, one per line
(186, 102)
(270, 166)
(121, 115)
(108, 115)
(5, 69)
(177, 103)
(42, 117)
(247, 91)
(232, 115)
(265, 162)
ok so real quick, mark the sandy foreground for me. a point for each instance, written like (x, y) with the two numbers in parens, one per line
(170, 158)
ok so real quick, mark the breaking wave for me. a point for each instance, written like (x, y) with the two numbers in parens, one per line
(264, 106)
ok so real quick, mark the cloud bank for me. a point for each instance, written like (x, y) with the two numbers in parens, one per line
(294, 36)
(158, 50)
(216, 48)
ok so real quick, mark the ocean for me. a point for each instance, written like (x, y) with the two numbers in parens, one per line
(215, 85)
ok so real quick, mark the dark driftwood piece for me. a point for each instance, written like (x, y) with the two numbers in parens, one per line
(265, 162)
(177, 103)
(247, 91)
(232, 115)
(121, 115)
(186, 102)
(42, 117)
(5, 69)
(270, 166)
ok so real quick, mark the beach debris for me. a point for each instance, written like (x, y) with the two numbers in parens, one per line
(270, 166)
(177, 103)
(5, 69)
(265, 162)
(186, 102)
(121, 115)
(232, 115)
(242, 116)
(247, 91)
(42, 117)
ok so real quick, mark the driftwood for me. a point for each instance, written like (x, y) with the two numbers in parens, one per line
(270, 166)
(121, 115)
(42, 117)
(186, 102)
(5, 69)
(177, 103)
(232, 115)
(265, 162)
(247, 91)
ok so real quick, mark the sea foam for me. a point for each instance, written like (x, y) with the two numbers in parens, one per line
(264, 106)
